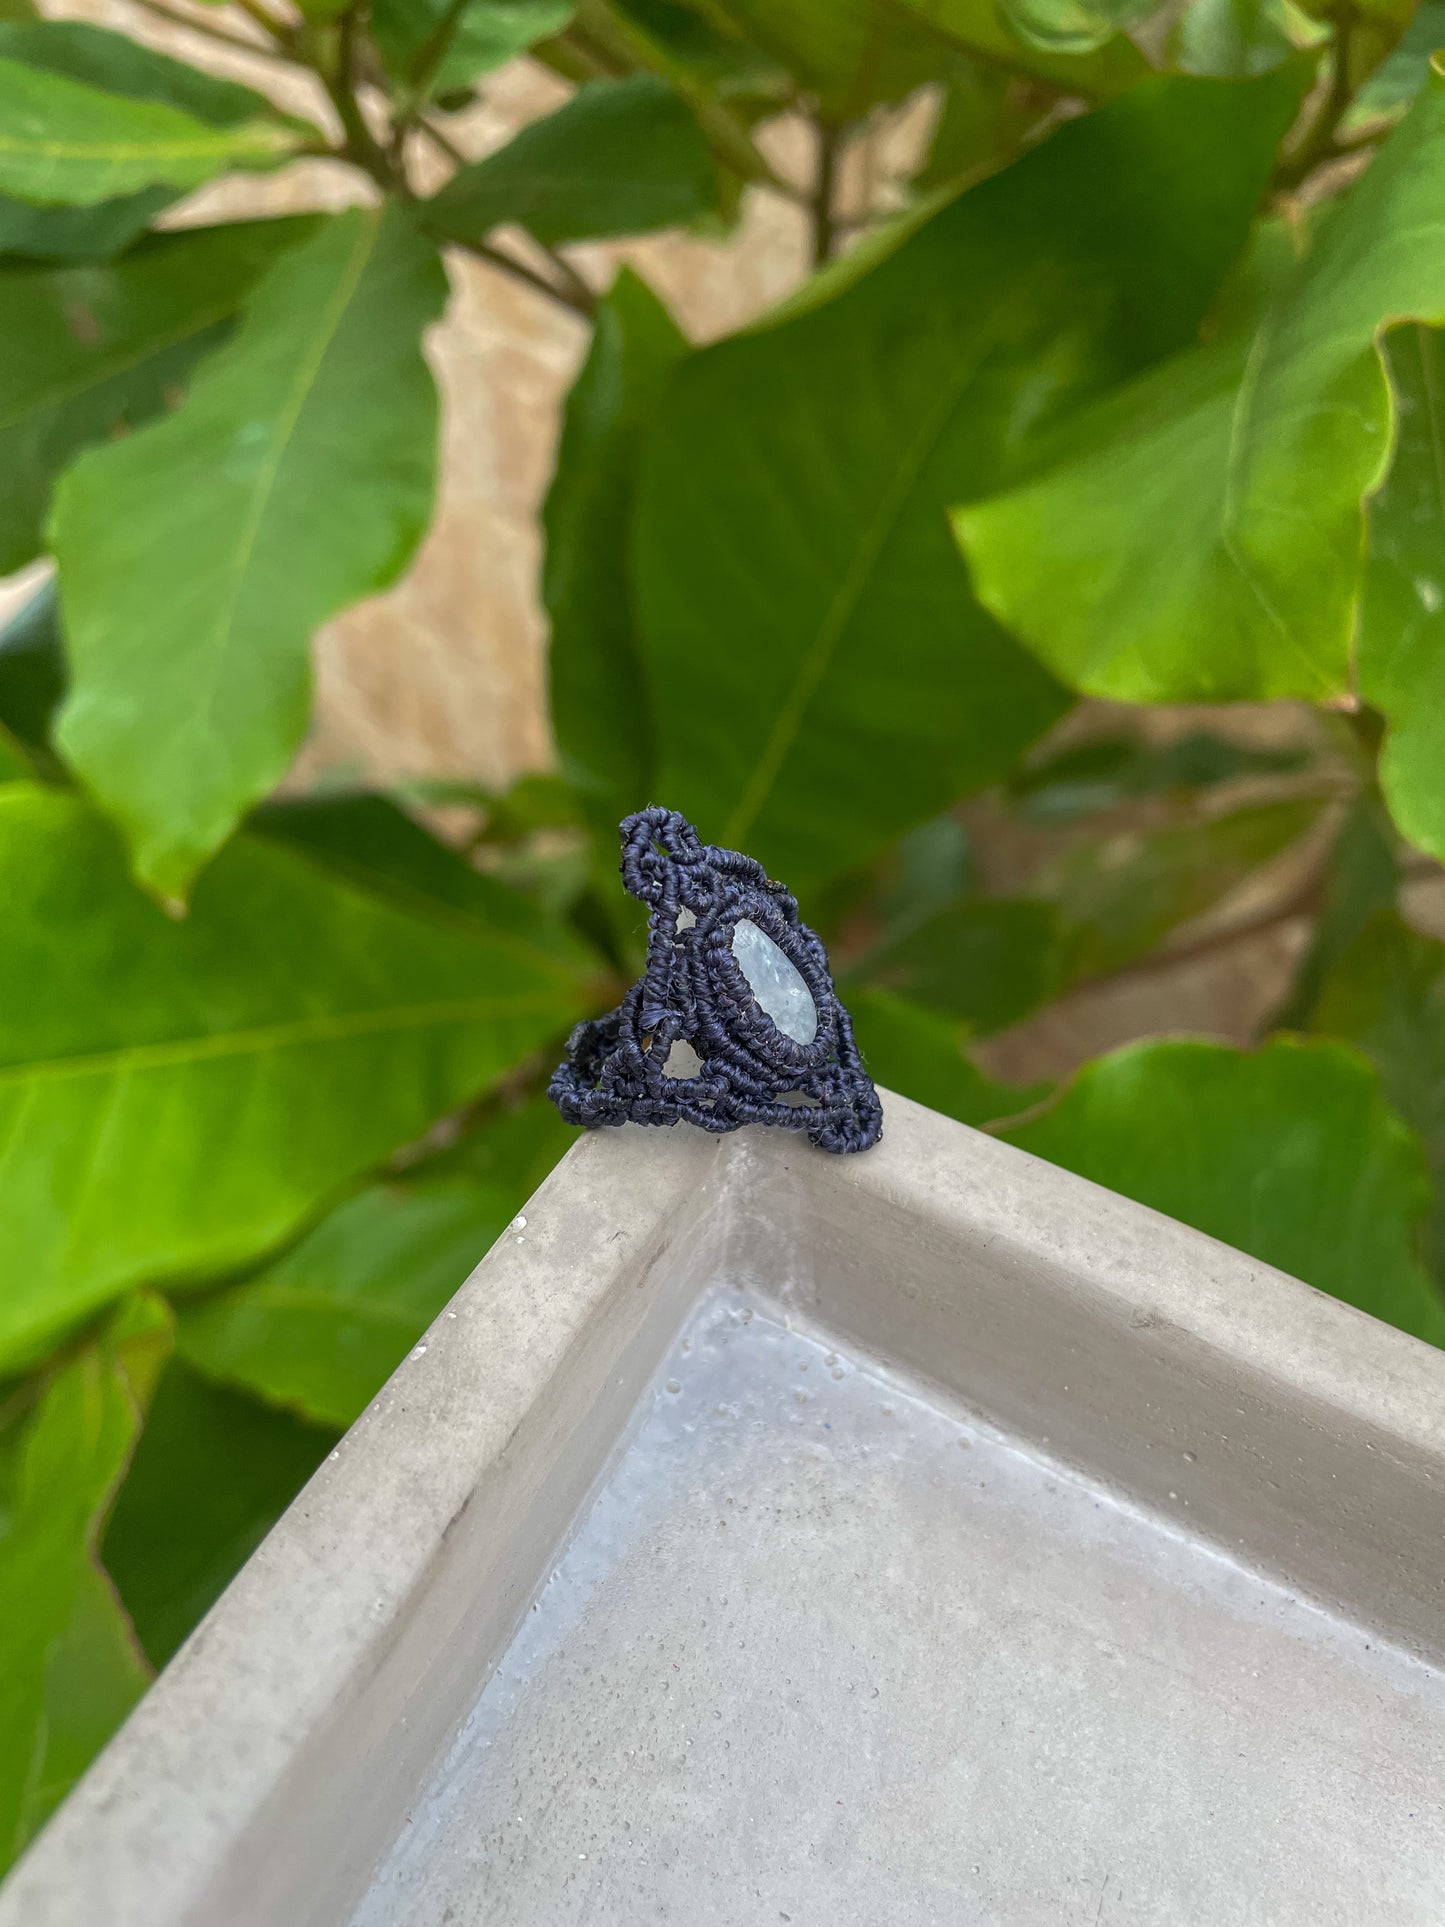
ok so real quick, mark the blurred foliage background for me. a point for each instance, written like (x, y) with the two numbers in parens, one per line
(1051, 590)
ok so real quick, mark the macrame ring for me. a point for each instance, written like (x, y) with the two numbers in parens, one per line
(694, 991)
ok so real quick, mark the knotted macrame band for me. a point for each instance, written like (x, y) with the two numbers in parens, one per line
(694, 991)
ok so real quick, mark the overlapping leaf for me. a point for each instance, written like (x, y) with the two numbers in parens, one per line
(600, 710)
(65, 143)
(324, 1327)
(923, 1055)
(1198, 537)
(92, 352)
(821, 677)
(1289, 1153)
(72, 1669)
(1402, 616)
(197, 557)
(176, 1098)
(621, 157)
(483, 36)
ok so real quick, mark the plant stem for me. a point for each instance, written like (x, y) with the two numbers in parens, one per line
(496, 257)
(1319, 144)
(362, 147)
(825, 187)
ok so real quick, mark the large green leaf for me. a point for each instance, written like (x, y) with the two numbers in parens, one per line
(1288, 1153)
(177, 1097)
(71, 1667)
(67, 143)
(1198, 537)
(93, 352)
(599, 700)
(922, 1054)
(197, 557)
(323, 1327)
(1401, 651)
(212, 1474)
(1386, 993)
(848, 54)
(821, 677)
(621, 157)
(118, 65)
(485, 35)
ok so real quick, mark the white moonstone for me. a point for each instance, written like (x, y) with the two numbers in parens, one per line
(776, 983)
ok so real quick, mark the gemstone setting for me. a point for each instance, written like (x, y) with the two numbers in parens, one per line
(775, 981)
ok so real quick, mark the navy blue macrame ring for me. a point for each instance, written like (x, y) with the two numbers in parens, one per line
(693, 991)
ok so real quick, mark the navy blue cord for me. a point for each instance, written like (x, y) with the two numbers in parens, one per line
(693, 991)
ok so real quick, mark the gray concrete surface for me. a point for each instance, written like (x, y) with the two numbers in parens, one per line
(1183, 1470)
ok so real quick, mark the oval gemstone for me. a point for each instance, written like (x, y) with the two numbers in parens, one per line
(776, 982)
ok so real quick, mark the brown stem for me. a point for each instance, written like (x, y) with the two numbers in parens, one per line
(499, 258)
(1319, 144)
(825, 188)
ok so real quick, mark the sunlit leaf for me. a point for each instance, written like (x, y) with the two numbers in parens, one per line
(197, 557)
(1199, 536)
(1289, 1153)
(66, 143)
(178, 1098)
(92, 352)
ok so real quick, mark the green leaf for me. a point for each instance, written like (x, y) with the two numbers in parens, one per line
(1401, 652)
(71, 1668)
(599, 688)
(1122, 895)
(323, 1328)
(78, 233)
(1362, 877)
(821, 677)
(1234, 38)
(986, 961)
(117, 64)
(63, 142)
(621, 157)
(848, 54)
(487, 34)
(92, 352)
(1072, 26)
(1220, 496)
(921, 1054)
(212, 1474)
(373, 841)
(1399, 78)
(189, 609)
(1108, 771)
(178, 1098)
(1288, 1153)
(1385, 993)
(981, 27)
(32, 671)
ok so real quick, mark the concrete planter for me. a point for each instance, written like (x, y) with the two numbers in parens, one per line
(927, 1536)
